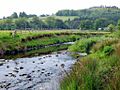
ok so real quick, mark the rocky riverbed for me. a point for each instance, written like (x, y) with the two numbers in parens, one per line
(36, 73)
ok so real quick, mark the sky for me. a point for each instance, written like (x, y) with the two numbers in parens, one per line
(7, 7)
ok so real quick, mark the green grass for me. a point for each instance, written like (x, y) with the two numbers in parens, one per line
(83, 45)
(63, 18)
(99, 70)
(23, 40)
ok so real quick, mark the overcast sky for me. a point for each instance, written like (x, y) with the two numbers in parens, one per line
(7, 7)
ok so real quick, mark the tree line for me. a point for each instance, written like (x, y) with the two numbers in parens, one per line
(24, 23)
(110, 12)
(95, 18)
(52, 23)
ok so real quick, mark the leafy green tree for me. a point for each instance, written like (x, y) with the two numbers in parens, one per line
(31, 15)
(36, 23)
(22, 23)
(101, 23)
(86, 24)
(14, 15)
(50, 22)
(23, 14)
(118, 25)
(7, 24)
(111, 27)
(60, 24)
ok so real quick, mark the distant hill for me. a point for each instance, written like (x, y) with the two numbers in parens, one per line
(110, 12)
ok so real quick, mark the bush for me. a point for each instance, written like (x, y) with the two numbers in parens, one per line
(83, 45)
(101, 44)
(108, 50)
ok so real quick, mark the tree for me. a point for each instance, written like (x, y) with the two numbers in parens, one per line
(22, 23)
(23, 14)
(101, 23)
(31, 15)
(36, 23)
(7, 24)
(50, 22)
(111, 27)
(59, 24)
(14, 15)
(86, 24)
(118, 25)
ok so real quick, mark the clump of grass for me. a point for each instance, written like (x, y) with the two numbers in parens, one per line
(83, 76)
(93, 74)
(105, 42)
(83, 45)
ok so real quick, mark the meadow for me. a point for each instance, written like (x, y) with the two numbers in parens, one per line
(63, 18)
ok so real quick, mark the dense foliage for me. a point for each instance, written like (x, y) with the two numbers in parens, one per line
(95, 18)
(24, 23)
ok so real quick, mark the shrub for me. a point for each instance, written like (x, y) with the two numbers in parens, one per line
(101, 44)
(108, 50)
(83, 45)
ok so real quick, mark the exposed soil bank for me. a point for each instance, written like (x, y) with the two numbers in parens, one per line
(36, 51)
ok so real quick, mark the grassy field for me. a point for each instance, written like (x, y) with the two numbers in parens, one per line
(99, 70)
(63, 18)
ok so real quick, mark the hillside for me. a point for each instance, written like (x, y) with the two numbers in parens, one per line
(63, 18)
(93, 12)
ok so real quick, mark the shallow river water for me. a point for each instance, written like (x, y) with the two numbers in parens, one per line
(36, 73)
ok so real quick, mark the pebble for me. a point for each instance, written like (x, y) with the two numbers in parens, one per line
(43, 69)
(33, 71)
(49, 56)
(33, 61)
(42, 72)
(22, 62)
(28, 76)
(39, 58)
(38, 70)
(56, 55)
(7, 66)
(23, 75)
(42, 63)
(16, 63)
(6, 75)
(21, 67)
(15, 71)
(62, 65)
(13, 75)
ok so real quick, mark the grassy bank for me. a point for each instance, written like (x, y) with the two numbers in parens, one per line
(99, 70)
(21, 41)
(38, 52)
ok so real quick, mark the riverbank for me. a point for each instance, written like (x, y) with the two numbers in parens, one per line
(24, 41)
(40, 51)
(99, 70)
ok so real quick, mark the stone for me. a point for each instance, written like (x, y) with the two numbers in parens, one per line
(7, 66)
(21, 67)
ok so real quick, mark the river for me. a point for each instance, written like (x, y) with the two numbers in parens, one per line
(35, 73)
